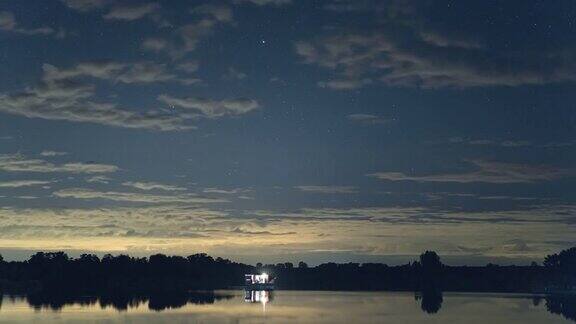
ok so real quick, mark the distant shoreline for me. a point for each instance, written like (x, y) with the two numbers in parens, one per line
(161, 274)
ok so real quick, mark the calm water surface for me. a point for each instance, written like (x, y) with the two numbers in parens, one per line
(296, 306)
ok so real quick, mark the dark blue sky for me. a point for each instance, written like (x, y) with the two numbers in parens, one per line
(268, 130)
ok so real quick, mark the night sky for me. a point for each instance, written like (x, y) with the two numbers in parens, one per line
(287, 130)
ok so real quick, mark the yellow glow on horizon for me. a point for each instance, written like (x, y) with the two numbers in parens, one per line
(308, 232)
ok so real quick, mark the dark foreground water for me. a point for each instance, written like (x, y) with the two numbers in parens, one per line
(293, 306)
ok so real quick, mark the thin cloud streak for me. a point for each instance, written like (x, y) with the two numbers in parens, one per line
(487, 172)
(152, 186)
(23, 183)
(328, 189)
(89, 194)
(19, 163)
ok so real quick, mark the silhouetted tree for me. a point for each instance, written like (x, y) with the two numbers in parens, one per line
(431, 272)
(430, 262)
(565, 261)
(302, 265)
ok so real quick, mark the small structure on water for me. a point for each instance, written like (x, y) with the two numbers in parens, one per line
(258, 282)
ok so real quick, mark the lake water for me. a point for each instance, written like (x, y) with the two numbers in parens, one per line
(296, 307)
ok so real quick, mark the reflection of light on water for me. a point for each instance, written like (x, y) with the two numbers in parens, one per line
(301, 307)
(258, 296)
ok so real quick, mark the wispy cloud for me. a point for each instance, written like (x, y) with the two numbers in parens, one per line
(483, 142)
(328, 189)
(211, 108)
(345, 84)
(135, 72)
(23, 183)
(234, 74)
(99, 179)
(86, 5)
(188, 66)
(360, 231)
(207, 18)
(126, 11)
(8, 24)
(63, 94)
(370, 119)
(152, 186)
(265, 2)
(71, 100)
(222, 191)
(402, 43)
(115, 10)
(52, 153)
(485, 171)
(239, 230)
(89, 194)
(19, 163)
(106, 224)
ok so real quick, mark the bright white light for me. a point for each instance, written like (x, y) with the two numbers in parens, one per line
(264, 277)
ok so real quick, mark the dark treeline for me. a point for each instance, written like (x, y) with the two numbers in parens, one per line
(161, 274)
(119, 275)
(556, 274)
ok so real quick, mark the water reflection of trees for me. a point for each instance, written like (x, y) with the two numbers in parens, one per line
(430, 300)
(156, 302)
(561, 304)
(564, 305)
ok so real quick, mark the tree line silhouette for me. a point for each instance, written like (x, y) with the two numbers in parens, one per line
(53, 279)
(117, 275)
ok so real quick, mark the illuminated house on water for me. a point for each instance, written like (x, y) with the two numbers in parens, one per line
(258, 282)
